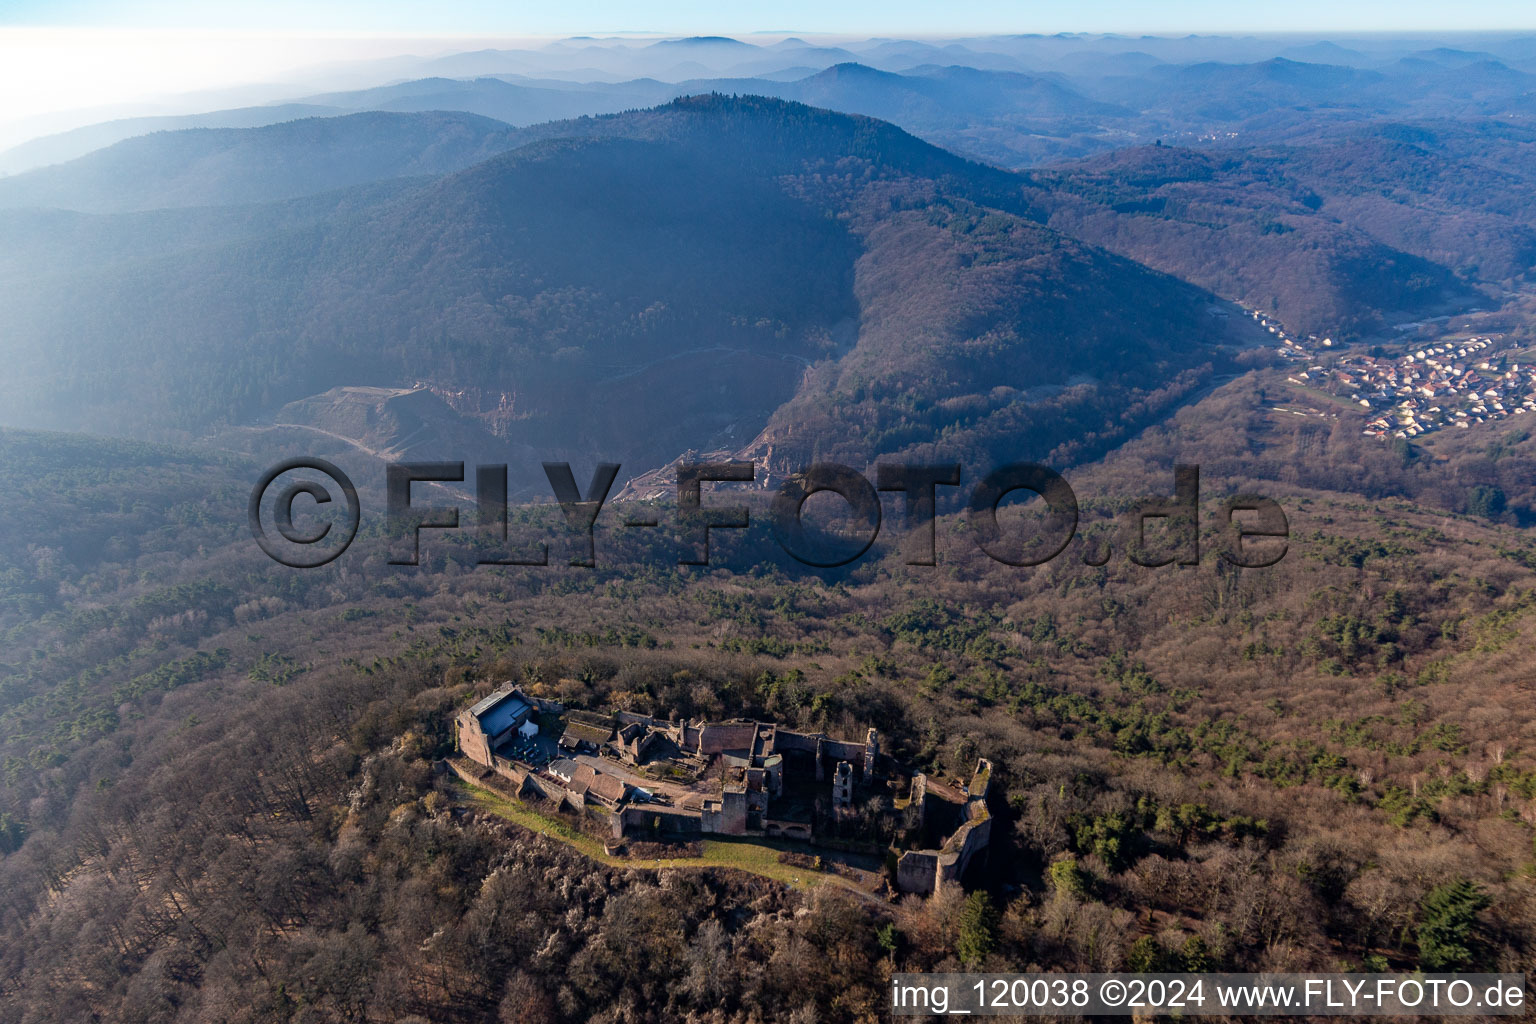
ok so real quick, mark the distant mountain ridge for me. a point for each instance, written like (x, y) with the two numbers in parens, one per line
(70, 145)
(220, 166)
(932, 100)
(1016, 101)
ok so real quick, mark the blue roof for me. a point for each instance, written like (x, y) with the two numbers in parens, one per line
(500, 712)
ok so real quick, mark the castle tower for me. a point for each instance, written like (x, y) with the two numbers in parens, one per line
(871, 753)
(773, 764)
(842, 789)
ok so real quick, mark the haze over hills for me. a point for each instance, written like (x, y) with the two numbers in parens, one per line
(1231, 94)
(1016, 100)
(947, 104)
(527, 283)
(634, 286)
(514, 263)
(45, 243)
(77, 142)
(223, 166)
(1004, 117)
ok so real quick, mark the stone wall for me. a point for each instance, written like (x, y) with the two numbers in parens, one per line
(970, 841)
(842, 750)
(929, 871)
(728, 815)
(784, 740)
(917, 871)
(473, 743)
(640, 822)
(788, 829)
(720, 736)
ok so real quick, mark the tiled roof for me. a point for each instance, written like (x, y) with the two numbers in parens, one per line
(607, 787)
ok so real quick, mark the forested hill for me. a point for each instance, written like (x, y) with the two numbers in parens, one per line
(629, 287)
(1255, 227)
(693, 274)
(1335, 233)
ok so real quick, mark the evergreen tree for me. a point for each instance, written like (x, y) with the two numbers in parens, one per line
(978, 929)
(1447, 924)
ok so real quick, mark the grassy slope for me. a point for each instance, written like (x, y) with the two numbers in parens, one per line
(759, 858)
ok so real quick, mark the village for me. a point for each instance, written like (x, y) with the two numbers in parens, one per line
(656, 780)
(1451, 383)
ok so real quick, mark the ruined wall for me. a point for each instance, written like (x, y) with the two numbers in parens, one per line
(842, 786)
(842, 750)
(729, 818)
(788, 829)
(773, 767)
(734, 813)
(646, 744)
(981, 781)
(966, 844)
(837, 750)
(917, 810)
(639, 822)
(917, 871)
(459, 770)
(473, 743)
(726, 816)
(783, 740)
(719, 736)
(540, 704)
(543, 788)
(928, 871)
(715, 737)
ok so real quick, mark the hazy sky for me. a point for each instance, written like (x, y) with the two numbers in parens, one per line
(701, 16)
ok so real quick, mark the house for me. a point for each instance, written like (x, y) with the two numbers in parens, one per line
(608, 790)
(582, 782)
